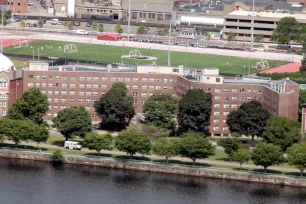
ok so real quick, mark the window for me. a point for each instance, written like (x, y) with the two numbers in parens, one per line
(82, 85)
(56, 92)
(44, 77)
(216, 128)
(104, 79)
(50, 92)
(43, 85)
(64, 78)
(151, 79)
(81, 93)
(56, 100)
(120, 79)
(88, 93)
(217, 97)
(135, 87)
(151, 87)
(37, 77)
(225, 128)
(43, 92)
(57, 77)
(50, 77)
(242, 90)
(87, 108)
(234, 98)
(113, 79)
(225, 113)
(64, 93)
(217, 105)
(217, 91)
(55, 107)
(165, 87)
(254, 91)
(71, 100)
(31, 76)
(165, 80)
(135, 79)
(144, 79)
(144, 87)
(135, 101)
(216, 121)
(72, 78)
(235, 90)
(157, 80)
(226, 98)
(127, 79)
(226, 106)
(143, 94)
(71, 93)
(63, 107)
(37, 84)
(208, 89)
(29, 84)
(234, 105)
(49, 100)
(64, 85)
(216, 113)
(242, 98)
(56, 85)
(81, 100)
(249, 91)
(95, 86)
(82, 78)
(135, 94)
(103, 86)
(96, 78)
(226, 90)
(158, 87)
(88, 86)
(95, 93)
(63, 100)
(50, 85)
(218, 80)
(89, 78)
(88, 101)
(249, 98)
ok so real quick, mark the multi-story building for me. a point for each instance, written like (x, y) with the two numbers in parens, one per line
(16, 6)
(238, 17)
(74, 85)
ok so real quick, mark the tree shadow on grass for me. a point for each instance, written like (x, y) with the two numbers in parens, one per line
(23, 147)
(269, 171)
(240, 169)
(297, 174)
(189, 164)
(97, 155)
(224, 159)
(59, 143)
(126, 157)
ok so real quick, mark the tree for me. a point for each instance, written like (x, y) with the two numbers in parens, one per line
(41, 134)
(32, 105)
(141, 29)
(249, 119)
(259, 38)
(95, 25)
(194, 111)
(194, 145)
(303, 65)
(133, 142)
(57, 156)
(98, 142)
(18, 130)
(101, 29)
(163, 31)
(302, 100)
(267, 155)
(230, 145)
(297, 156)
(287, 29)
(154, 132)
(241, 156)
(68, 24)
(71, 122)
(40, 22)
(22, 24)
(207, 35)
(165, 147)
(119, 28)
(231, 36)
(281, 131)
(160, 110)
(115, 108)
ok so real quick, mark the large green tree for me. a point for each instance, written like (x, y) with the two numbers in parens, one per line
(242, 156)
(287, 29)
(98, 141)
(267, 155)
(230, 145)
(133, 142)
(18, 130)
(115, 108)
(32, 105)
(41, 134)
(297, 156)
(119, 28)
(281, 131)
(195, 146)
(160, 110)
(249, 119)
(141, 29)
(153, 132)
(194, 111)
(165, 147)
(71, 122)
(302, 100)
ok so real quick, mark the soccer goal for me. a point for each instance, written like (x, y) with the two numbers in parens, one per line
(21, 43)
(70, 48)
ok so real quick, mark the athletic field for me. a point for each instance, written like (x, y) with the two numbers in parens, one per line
(112, 54)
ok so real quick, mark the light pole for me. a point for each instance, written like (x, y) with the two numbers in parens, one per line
(252, 36)
(169, 41)
(129, 20)
(53, 58)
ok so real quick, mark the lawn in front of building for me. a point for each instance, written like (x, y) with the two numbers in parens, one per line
(112, 54)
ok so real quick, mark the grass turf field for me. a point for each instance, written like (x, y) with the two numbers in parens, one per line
(20, 63)
(112, 54)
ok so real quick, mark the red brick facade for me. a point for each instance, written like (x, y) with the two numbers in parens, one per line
(16, 6)
(69, 88)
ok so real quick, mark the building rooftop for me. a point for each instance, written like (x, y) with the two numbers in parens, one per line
(269, 14)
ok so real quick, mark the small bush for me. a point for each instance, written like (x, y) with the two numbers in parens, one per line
(57, 156)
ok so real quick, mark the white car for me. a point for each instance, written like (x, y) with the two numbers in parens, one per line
(81, 32)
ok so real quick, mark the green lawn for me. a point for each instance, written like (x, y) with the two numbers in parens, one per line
(112, 54)
(20, 63)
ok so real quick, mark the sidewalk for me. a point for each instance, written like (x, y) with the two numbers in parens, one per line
(201, 161)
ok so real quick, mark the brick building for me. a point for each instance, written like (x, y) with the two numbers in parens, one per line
(74, 85)
(16, 6)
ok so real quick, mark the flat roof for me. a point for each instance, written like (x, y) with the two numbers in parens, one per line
(266, 14)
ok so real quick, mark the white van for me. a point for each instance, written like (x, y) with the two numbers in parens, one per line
(72, 145)
(81, 32)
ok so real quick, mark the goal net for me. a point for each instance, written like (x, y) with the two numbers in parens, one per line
(21, 43)
(70, 48)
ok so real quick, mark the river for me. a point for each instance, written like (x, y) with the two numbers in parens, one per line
(31, 182)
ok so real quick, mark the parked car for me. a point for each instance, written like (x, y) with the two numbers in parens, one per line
(44, 21)
(34, 25)
(100, 25)
(30, 3)
(24, 17)
(89, 23)
(76, 23)
(28, 25)
(81, 32)
(11, 20)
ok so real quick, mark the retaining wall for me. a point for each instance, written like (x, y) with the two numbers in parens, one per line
(161, 168)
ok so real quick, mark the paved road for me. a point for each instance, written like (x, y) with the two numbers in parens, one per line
(202, 161)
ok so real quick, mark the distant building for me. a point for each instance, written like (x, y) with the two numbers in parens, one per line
(75, 85)
(16, 6)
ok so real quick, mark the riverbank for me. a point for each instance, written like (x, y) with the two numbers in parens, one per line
(161, 168)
